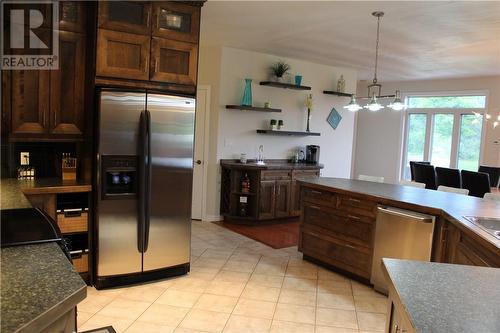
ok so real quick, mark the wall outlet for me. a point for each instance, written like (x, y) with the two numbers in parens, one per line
(25, 158)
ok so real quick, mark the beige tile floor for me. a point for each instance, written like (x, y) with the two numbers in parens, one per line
(238, 285)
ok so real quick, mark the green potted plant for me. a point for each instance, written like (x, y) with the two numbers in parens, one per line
(273, 124)
(278, 70)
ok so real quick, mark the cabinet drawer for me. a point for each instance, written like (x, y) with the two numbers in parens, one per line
(276, 175)
(349, 226)
(357, 206)
(305, 173)
(81, 264)
(346, 256)
(317, 196)
(69, 224)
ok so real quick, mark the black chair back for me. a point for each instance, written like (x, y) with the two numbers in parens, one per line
(425, 173)
(478, 183)
(494, 173)
(412, 163)
(448, 177)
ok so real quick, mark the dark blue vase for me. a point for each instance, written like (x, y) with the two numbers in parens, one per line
(247, 94)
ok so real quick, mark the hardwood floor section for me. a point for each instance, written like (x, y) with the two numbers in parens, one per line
(277, 236)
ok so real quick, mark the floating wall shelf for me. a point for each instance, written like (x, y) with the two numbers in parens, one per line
(329, 92)
(251, 108)
(284, 85)
(287, 133)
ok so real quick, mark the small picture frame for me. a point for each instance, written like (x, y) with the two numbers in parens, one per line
(334, 118)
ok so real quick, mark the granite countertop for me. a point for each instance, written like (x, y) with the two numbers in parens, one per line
(13, 190)
(39, 284)
(456, 206)
(271, 165)
(447, 298)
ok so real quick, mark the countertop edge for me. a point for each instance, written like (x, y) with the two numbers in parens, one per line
(492, 244)
(55, 312)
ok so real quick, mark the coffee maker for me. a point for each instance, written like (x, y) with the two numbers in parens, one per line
(312, 154)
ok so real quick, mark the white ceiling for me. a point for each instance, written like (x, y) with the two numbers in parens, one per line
(419, 40)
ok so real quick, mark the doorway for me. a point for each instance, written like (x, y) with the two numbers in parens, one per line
(201, 142)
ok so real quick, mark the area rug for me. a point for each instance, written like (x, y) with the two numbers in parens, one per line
(277, 236)
(107, 329)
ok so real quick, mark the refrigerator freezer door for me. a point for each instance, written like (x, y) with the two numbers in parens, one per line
(117, 219)
(172, 138)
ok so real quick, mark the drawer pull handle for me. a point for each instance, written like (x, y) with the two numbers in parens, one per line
(314, 207)
(350, 246)
(354, 200)
(352, 217)
(316, 192)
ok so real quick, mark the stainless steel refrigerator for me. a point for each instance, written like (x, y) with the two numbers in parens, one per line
(144, 181)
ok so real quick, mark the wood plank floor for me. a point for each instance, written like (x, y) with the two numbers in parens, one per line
(277, 236)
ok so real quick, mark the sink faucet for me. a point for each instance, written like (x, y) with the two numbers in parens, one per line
(260, 158)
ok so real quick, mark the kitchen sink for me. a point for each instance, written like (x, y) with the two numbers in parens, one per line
(490, 224)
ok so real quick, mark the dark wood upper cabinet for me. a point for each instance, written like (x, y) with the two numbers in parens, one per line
(173, 61)
(72, 16)
(126, 16)
(67, 86)
(29, 104)
(176, 21)
(122, 55)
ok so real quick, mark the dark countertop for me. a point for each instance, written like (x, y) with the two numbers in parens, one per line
(452, 205)
(13, 190)
(271, 165)
(447, 298)
(39, 285)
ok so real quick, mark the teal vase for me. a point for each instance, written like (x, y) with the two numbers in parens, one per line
(247, 94)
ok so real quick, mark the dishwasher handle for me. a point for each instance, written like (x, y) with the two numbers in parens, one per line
(406, 214)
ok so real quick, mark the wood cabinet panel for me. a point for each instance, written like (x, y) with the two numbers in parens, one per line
(267, 199)
(29, 102)
(319, 197)
(343, 255)
(276, 174)
(282, 205)
(173, 61)
(176, 21)
(67, 86)
(295, 191)
(72, 16)
(348, 227)
(126, 16)
(357, 206)
(122, 55)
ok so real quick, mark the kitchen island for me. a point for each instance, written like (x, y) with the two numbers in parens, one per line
(40, 289)
(441, 298)
(338, 223)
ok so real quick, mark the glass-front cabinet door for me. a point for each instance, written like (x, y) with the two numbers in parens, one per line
(173, 61)
(176, 21)
(127, 16)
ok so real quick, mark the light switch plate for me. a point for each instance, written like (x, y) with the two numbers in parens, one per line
(25, 158)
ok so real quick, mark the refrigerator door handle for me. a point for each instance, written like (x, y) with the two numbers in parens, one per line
(147, 194)
(143, 148)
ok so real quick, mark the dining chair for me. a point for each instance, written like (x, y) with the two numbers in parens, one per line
(371, 178)
(492, 196)
(449, 189)
(448, 177)
(411, 183)
(412, 163)
(478, 183)
(494, 173)
(425, 173)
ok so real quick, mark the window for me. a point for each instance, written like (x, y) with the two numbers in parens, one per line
(445, 130)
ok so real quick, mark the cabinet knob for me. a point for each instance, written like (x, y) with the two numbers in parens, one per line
(396, 328)
(198, 162)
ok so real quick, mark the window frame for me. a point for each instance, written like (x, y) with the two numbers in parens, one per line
(457, 122)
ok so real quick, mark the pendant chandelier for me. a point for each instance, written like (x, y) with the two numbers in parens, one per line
(375, 89)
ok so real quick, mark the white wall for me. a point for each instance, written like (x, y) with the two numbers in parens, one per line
(379, 134)
(234, 132)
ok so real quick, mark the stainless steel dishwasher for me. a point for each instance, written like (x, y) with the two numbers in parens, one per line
(400, 234)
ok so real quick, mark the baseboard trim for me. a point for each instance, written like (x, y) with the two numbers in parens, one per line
(212, 218)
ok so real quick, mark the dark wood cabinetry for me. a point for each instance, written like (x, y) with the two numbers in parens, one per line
(122, 55)
(50, 104)
(462, 249)
(272, 190)
(338, 230)
(164, 49)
